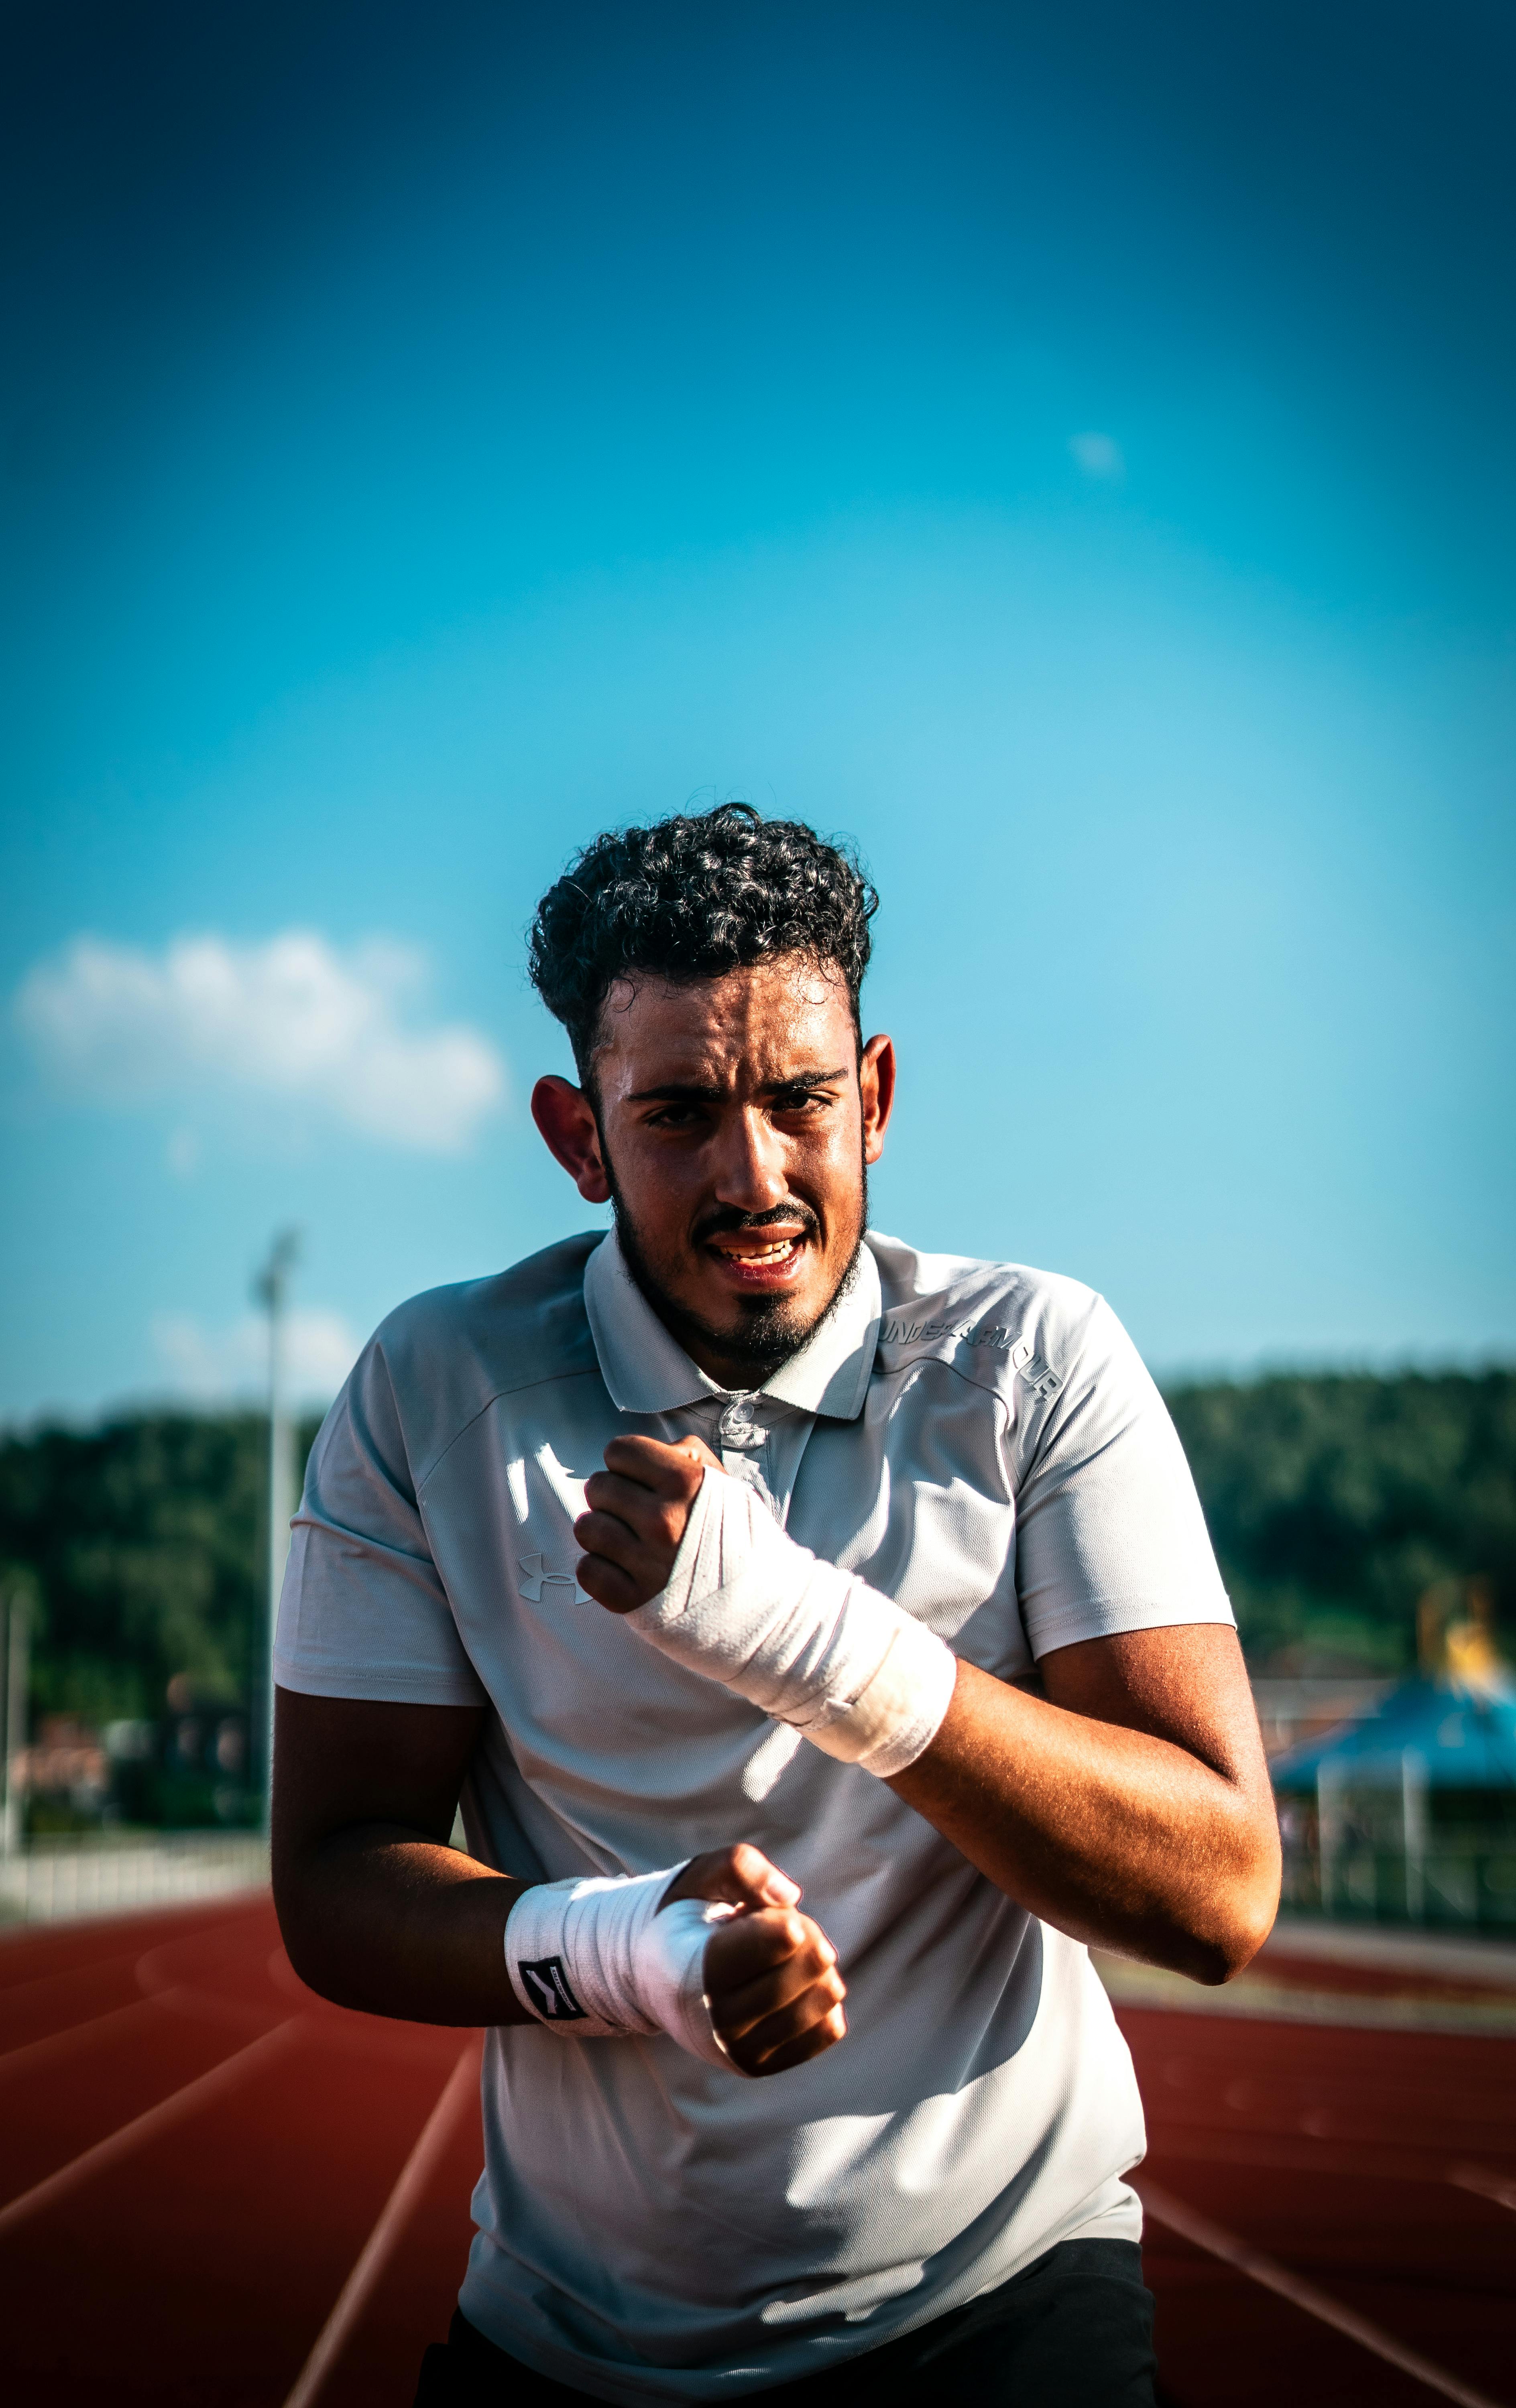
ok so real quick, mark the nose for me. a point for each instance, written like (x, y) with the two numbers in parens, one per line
(748, 1166)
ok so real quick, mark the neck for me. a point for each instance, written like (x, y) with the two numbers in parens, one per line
(718, 1353)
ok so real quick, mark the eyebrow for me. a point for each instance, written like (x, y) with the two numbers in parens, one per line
(691, 1092)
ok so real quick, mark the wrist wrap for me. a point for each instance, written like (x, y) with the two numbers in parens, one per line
(595, 1959)
(813, 1646)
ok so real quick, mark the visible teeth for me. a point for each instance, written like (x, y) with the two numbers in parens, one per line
(764, 1254)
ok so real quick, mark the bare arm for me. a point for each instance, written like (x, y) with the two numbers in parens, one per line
(376, 1909)
(1129, 1806)
(378, 1912)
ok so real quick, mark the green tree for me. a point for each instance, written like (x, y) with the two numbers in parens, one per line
(144, 1538)
(1333, 1500)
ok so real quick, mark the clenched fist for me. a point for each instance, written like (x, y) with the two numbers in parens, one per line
(770, 1974)
(635, 1514)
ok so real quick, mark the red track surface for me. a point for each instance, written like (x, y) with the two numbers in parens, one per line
(195, 2262)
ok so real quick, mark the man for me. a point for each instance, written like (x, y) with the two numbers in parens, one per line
(739, 1556)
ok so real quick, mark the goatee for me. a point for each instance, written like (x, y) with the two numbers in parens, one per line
(772, 1331)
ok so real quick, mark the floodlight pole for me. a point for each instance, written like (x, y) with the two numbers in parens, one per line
(17, 1642)
(271, 1288)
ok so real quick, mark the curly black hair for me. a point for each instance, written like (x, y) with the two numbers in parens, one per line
(691, 897)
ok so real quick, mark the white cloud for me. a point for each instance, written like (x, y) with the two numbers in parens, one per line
(295, 1019)
(211, 1365)
(1099, 455)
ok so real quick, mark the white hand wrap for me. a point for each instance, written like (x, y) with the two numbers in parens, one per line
(813, 1646)
(595, 1959)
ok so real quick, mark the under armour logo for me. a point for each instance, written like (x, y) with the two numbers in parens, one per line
(547, 1986)
(1039, 1375)
(535, 1576)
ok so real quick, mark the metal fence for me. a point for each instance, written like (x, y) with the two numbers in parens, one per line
(1470, 1890)
(1466, 1889)
(69, 1880)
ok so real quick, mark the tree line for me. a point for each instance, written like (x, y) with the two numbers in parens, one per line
(1333, 1500)
(141, 1547)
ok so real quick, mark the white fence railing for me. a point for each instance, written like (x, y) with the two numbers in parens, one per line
(65, 1882)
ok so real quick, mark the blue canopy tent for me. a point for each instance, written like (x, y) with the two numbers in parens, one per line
(1465, 1735)
(1414, 1806)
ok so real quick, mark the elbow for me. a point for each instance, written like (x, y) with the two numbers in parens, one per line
(291, 1929)
(312, 1964)
(304, 1963)
(1230, 1948)
(1239, 1920)
(300, 1930)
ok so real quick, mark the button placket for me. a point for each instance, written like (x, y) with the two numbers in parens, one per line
(743, 1444)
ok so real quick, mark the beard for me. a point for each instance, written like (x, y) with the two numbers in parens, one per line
(768, 1329)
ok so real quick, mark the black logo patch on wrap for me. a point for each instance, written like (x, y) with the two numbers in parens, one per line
(549, 1988)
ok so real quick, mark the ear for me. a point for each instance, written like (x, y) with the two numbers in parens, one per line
(876, 1084)
(567, 1123)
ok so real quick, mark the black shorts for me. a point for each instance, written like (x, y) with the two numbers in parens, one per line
(1074, 2330)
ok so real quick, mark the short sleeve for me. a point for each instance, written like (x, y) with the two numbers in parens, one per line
(363, 1613)
(1111, 1536)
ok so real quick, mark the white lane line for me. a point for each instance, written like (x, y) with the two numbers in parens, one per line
(1487, 2186)
(36, 2052)
(1370, 2161)
(414, 2176)
(88, 1965)
(1218, 2242)
(169, 2111)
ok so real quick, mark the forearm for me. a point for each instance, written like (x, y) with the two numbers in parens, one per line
(1121, 1837)
(381, 1918)
(1132, 1807)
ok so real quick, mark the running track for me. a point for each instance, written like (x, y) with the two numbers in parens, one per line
(217, 2192)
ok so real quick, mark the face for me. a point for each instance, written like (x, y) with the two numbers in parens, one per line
(734, 1127)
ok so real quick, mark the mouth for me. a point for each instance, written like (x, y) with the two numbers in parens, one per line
(759, 1259)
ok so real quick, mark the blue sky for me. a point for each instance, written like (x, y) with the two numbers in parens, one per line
(1069, 451)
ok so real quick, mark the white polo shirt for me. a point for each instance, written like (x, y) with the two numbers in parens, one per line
(983, 1444)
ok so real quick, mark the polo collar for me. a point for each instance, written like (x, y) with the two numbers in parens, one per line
(648, 1371)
